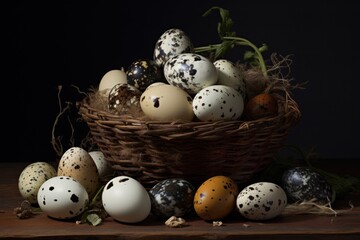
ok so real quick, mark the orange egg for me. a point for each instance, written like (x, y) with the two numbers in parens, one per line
(262, 105)
(216, 198)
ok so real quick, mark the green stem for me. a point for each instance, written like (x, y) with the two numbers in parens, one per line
(245, 42)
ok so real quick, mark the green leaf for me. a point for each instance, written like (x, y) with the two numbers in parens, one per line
(94, 219)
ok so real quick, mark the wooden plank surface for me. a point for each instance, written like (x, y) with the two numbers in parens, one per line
(343, 226)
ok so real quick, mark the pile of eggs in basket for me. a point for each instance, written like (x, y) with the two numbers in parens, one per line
(177, 84)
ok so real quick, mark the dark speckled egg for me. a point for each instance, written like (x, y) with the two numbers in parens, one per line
(142, 73)
(304, 184)
(172, 197)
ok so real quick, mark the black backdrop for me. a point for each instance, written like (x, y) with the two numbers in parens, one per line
(70, 43)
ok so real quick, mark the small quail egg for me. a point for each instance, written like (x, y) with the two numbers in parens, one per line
(32, 177)
(261, 201)
(62, 197)
(172, 197)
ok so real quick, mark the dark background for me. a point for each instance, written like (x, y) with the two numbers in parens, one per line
(72, 43)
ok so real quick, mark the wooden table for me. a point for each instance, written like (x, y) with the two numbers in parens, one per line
(343, 226)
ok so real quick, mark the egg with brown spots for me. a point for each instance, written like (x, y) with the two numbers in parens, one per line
(215, 199)
(78, 164)
(261, 201)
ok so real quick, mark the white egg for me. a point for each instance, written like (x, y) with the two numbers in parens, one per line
(230, 75)
(62, 197)
(218, 102)
(103, 166)
(78, 164)
(32, 177)
(126, 200)
(110, 79)
(261, 201)
(190, 72)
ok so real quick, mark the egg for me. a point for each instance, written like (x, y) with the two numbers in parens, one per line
(62, 197)
(304, 184)
(261, 105)
(215, 199)
(165, 102)
(104, 167)
(218, 102)
(261, 201)
(124, 98)
(32, 177)
(172, 197)
(110, 79)
(78, 164)
(172, 42)
(126, 200)
(190, 72)
(143, 72)
(230, 75)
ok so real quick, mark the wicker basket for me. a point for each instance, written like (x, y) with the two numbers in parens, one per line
(152, 151)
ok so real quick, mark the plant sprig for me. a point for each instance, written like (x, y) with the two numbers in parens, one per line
(229, 40)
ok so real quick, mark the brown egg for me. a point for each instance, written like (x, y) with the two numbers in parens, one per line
(215, 199)
(261, 105)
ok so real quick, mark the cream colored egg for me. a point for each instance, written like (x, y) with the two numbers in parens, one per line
(32, 177)
(78, 164)
(111, 78)
(165, 102)
(104, 167)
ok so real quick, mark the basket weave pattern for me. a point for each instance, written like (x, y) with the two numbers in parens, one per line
(151, 151)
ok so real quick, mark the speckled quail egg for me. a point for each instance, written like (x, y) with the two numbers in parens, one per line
(165, 102)
(110, 79)
(261, 201)
(32, 177)
(143, 72)
(218, 102)
(215, 199)
(172, 42)
(304, 184)
(172, 197)
(62, 197)
(230, 75)
(126, 200)
(123, 99)
(190, 72)
(77, 163)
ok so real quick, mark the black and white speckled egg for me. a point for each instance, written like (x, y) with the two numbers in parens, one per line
(218, 102)
(142, 73)
(261, 201)
(62, 197)
(32, 177)
(190, 72)
(172, 42)
(304, 184)
(172, 197)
